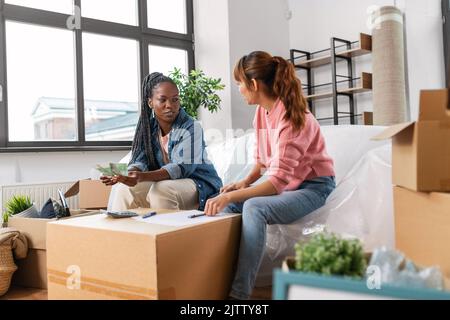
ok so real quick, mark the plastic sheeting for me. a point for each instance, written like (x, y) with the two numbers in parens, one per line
(361, 206)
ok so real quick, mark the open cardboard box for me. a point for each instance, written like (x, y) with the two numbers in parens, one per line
(32, 271)
(92, 194)
(421, 149)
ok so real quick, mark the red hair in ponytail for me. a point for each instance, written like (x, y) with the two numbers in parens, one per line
(280, 79)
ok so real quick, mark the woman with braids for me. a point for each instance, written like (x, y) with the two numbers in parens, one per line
(290, 151)
(169, 168)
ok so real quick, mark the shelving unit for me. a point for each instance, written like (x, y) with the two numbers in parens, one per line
(332, 56)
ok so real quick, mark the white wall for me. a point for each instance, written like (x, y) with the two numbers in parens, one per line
(426, 67)
(314, 22)
(225, 31)
(52, 166)
(212, 55)
(255, 25)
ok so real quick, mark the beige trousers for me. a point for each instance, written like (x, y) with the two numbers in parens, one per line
(180, 194)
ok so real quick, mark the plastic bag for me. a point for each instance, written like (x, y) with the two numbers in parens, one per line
(360, 207)
(398, 271)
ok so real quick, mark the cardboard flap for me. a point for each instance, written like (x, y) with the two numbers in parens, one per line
(73, 190)
(392, 131)
(434, 105)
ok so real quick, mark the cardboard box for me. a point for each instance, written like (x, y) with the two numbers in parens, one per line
(422, 227)
(32, 271)
(421, 150)
(93, 194)
(99, 257)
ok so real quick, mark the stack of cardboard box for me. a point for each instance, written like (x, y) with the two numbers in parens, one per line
(32, 271)
(421, 178)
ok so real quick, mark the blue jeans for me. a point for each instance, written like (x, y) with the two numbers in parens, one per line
(258, 212)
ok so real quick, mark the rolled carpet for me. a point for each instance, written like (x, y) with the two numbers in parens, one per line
(388, 56)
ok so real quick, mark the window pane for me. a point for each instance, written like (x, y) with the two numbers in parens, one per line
(121, 11)
(169, 15)
(111, 87)
(164, 59)
(41, 83)
(62, 6)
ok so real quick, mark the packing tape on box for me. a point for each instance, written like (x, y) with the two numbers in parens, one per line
(111, 289)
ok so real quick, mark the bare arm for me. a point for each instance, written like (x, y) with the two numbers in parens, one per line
(252, 177)
(261, 190)
(155, 175)
(217, 204)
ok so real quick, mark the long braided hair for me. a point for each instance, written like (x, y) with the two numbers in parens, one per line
(142, 137)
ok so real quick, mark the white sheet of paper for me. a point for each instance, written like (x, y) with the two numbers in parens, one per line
(180, 219)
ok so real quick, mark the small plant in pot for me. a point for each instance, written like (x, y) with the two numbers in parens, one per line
(329, 254)
(20, 206)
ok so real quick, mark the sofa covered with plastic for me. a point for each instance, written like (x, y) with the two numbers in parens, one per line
(361, 205)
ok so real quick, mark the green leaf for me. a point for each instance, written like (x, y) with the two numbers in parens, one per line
(197, 90)
(17, 204)
(329, 254)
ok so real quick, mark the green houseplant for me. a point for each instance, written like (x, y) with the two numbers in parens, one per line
(197, 90)
(21, 206)
(329, 254)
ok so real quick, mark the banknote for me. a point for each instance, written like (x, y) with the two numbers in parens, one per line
(113, 169)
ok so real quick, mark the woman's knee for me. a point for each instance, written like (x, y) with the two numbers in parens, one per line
(161, 195)
(253, 210)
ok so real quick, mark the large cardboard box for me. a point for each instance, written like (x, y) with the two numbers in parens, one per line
(422, 227)
(92, 194)
(99, 257)
(32, 271)
(421, 150)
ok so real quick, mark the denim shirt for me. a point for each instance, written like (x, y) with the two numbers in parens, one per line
(187, 156)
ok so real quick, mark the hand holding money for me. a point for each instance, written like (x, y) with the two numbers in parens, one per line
(113, 169)
(133, 178)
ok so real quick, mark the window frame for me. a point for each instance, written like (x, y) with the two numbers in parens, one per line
(141, 33)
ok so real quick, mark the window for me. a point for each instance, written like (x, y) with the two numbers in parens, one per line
(169, 15)
(41, 83)
(121, 11)
(164, 59)
(77, 85)
(62, 6)
(111, 82)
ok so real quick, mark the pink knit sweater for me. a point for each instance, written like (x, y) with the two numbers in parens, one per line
(290, 157)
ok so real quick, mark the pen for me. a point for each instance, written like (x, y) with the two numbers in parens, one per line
(196, 215)
(148, 215)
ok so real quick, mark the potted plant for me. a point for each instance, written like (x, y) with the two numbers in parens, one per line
(328, 254)
(20, 206)
(197, 90)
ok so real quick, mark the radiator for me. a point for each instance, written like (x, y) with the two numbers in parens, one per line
(38, 192)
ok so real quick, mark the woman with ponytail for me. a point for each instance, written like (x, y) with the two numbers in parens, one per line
(290, 151)
(169, 168)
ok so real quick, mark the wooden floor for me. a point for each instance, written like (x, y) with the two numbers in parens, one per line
(19, 293)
